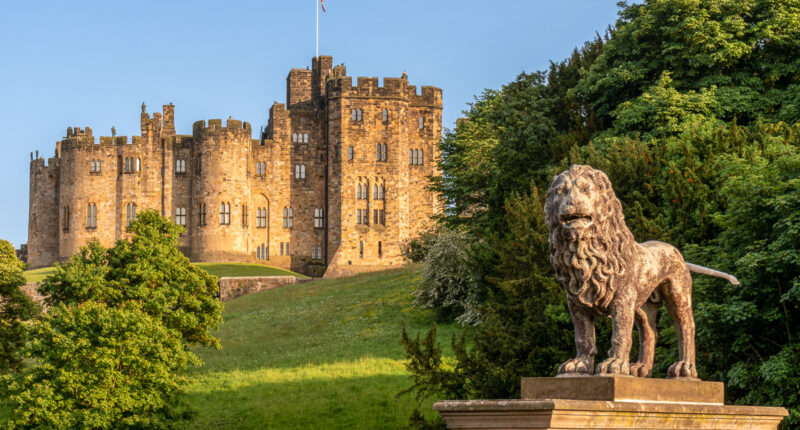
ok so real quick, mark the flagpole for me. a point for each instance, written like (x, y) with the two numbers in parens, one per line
(316, 44)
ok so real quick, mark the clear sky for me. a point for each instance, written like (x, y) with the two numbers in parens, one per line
(93, 63)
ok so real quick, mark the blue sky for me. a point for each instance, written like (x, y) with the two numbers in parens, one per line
(93, 63)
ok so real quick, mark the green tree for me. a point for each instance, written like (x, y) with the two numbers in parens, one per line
(100, 367)
(15, 308)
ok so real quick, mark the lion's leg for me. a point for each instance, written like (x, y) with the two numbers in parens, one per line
(618, 361)
(648, 334)
(678, 299)
(583, 363)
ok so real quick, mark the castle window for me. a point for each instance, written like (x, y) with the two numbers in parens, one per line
(319, 219)
(291, 217)
(358, 191)
(264, 252)
(288, 215)
(421, 123)
(420, 157)
(385, 115)
(258, 253)
(355, 114)
(380, 249)
(299, 171)
(127, 164)
(294, 137)
(245, 216)
(375, 191)
(201, 214)
(382, 217)
(261, 218)
(410, 156)
(180, 216)
(281, 248)
(199, 167)
(287, 248)
(130, 213)
(91, 215)
(225, 213)
(380, 192)
(361, 249)
(378, 152)
(95, 166)
(358, 216)
(383, 152)
(65, 218)
(305, 137)
(138, 164)
(378, 217)
(350, 153)
(180, 166)
(316, 252)
(302, 171)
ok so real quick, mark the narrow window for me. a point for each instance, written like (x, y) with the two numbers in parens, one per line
(375, 216)
(361, 249)
(287, 248)
(385, 115)
(285, 217)
(319, 219)
(264, 252)
(378, 152)
(203, 213)
(383, 217)
(383, 152)
(93, 167)
(380, 249)
(222, 213)
(291, 216)
(350, 153)
(421, 123)
(138, 164)
(358, 191)
(98, 165)
(380, 192)
(358, 114)
(258, 253)
(421, 156)
(245, 216)
(89, 216)
(199, 167)
(297, 171)
(305, 137)
(302, 171)
(358, 216)
(375, 191)
(410, 156)
(281, 248)
(294, 137)
(353, 116)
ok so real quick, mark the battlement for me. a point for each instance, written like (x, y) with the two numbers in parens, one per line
(369, 87)
(40, 165)
(113, 140)
(231, 125)
(77, 132)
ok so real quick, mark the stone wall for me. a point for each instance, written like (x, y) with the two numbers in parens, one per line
(231, 288)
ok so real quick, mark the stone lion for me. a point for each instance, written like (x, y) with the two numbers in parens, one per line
(605, 273)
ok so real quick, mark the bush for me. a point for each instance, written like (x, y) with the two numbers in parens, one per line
(448, 284)
(415, 249)
(15, 307)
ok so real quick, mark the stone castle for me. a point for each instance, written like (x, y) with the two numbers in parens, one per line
(334, 184)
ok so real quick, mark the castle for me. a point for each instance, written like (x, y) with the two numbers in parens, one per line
(334, 184)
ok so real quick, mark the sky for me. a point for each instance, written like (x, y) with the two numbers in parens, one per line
(93, 63)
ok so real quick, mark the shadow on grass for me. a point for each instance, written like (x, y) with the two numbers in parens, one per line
(353, 403)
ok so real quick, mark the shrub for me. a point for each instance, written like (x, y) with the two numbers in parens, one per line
(15, 307)
(415, 249)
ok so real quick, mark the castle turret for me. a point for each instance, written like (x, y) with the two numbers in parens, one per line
(43, 213)
(221, 191)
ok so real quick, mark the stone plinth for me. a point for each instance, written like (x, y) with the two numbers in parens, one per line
(610, 403)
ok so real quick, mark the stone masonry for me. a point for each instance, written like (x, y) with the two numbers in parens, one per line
(336, 182)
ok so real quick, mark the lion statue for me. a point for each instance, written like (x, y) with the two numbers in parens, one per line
(605, 273)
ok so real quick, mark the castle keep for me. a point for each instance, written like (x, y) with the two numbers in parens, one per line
(335, 183)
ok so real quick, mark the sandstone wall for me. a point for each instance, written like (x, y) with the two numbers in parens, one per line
(231, 288)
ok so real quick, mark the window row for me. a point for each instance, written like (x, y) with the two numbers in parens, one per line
(132, 165)
(416, 157)
(261, 168)
(95, 166)
(357, 115)
(262, 252)
(380, 152)
(362, 191)
(284, 248)
(361, 249)
(299, 137)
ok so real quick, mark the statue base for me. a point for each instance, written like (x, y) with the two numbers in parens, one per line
(610, 403)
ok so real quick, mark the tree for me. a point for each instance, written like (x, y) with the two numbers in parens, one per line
(15, 308)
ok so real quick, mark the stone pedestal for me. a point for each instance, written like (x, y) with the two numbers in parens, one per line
(610, 403)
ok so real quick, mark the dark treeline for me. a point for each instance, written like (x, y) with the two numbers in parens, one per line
(692, 108)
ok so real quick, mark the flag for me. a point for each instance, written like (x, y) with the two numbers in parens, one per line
(322, 3)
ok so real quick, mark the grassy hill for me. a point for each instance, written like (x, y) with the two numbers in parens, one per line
(219, 269)
(324, 354)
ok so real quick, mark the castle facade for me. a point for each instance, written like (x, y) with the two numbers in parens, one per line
(334, 184)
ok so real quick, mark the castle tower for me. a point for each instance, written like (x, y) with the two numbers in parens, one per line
(220, 191)
(43, 221)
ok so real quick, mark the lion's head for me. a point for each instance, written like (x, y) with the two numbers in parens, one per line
(590, 245)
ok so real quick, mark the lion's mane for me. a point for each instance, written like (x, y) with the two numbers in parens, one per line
(590, 270)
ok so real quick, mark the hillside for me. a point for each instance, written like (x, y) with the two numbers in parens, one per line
(323, 354)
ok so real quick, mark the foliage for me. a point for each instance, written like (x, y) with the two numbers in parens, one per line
(15, 307)
(149, 269)
(99, 367)
(415, 249)
(448, 284)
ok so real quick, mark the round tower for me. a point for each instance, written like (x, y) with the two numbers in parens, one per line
(221, 190)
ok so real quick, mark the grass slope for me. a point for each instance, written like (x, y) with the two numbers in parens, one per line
(219, 269)
(324, 354)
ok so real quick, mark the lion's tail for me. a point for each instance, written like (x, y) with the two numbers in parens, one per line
(711, 272)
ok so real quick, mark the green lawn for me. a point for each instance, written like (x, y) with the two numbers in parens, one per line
(219, 269)
(324, 354)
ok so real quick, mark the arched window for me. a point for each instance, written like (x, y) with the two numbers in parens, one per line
(375, 191)
(297, 171)
(285, 217)
(358, 191)
(91, 215)
(353, 115)
(245, 216)
(294, 137)
(305, 137)
(258, 253)
(358, 111)
(383, 152)
(201, 218)
(416, 157)
(291, 217)
(385, 115)
(361, 249)
(93, 167)
(130, 213)
(410, 156)
(180, 166)
(98, 165)
(380, 192)
(378, 152)
(350, 153)
(127, 164)
(225, 213)
(138, 164)
(302, 171)
(264, 252)
(421, 123)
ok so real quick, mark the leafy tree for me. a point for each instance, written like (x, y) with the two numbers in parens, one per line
(100, 367)
(15, 307)
(148, 269)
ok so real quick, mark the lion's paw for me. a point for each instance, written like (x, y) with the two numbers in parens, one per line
(641, 370)
(575, 365)
(613, 366)
(682, 369)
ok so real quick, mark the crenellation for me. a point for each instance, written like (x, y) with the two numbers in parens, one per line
(287, 197)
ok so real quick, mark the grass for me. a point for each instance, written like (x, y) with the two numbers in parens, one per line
(219, 269)
(324, 354)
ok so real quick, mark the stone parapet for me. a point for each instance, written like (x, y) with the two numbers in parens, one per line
(233, 287)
